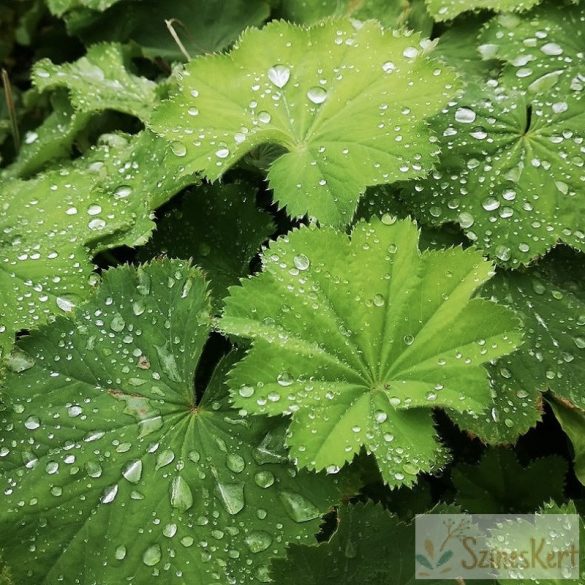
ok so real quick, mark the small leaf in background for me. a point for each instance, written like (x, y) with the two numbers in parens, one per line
(442, 10)
(572, 420)
(97, 202)
(204, 26)
(105, 447)
(510, 173)
(358, 339)
(219, 227)
(500, 485)
(551, 62)
(100, 81)
(312, 94)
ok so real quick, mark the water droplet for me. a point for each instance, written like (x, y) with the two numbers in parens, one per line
(32, 423)
(232, 496)
(181, 495)
(264, 479)
(258, 541)
(264, 117)
(235, 463)
(109, 494)
(317, 94)
(246, 391)
(279, 75)
(193, 111)
(138, 308)
(466, 220)
(378, 300)
(18, 361)
(96, 224)
(120, 553)
(167, 362)
(94, 209)
(380, 416)
(301, 262)
(122, 192)
(179, 149)
(152, 555)
(284, 379)
(490, 204)
(298, 508)
(222, 152)
(164, 458)
(133, 471)
(388, 67)
(465, 115)
(410, 52)
(117, 324)
(552, 49)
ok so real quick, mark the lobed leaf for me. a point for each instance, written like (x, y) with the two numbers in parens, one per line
(500, 485)
(105, 448)
(99, 81)
(510, 173)
(358, 339)
(442, 10)
(347, 104)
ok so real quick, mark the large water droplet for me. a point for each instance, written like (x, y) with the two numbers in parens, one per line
(298, 507)
(133, 471)
(181, 495)
(232, 496)
(279, 75)
(465, 115)
(152, 555)
(258, 541)
(317, 94)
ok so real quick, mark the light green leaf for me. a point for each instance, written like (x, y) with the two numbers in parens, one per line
(358, 339)
(220, 228)
(550, 300)
(59, 7)
(100, 81)
(107, 449)
(543, 49)
(442, 10)
(500, 485)
(393, 14)
(554, 508)
(572, 420)
(348, 105)
(53, 224)
(511, 173)
(51, 141)
(204, 26)
(369, 546)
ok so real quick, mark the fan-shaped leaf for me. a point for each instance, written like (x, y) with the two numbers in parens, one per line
(105, 449)
(359, 338)
(347, 103)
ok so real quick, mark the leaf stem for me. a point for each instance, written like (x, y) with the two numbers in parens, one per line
(171, 27)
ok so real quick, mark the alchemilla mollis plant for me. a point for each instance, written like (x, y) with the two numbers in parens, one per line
(276, 276)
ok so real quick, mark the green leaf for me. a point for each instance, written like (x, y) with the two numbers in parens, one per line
(551, 302)
(53, 224)
(59, 7)
(203, 26)
(369, 546)
(107, 449)
(572, 420)
(347, 104)
(442, 10)
(51, 141)
(510, 173)
(220, 228)
(392, 14)
(550, 299)
(500, 485)
(554, 508)
(543, 49)
(99, 81)
(358, 339)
